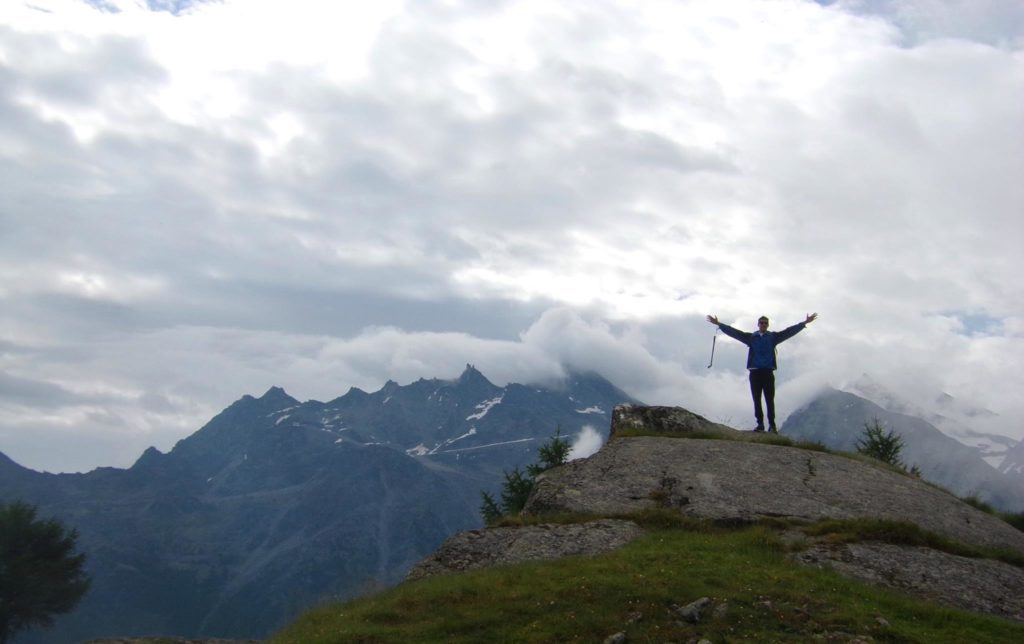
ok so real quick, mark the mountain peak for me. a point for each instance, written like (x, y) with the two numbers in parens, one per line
(472, 375)
(276, 393)
(148, 458)
(7, 463)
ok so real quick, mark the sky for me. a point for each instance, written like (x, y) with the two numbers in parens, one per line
(203, 199)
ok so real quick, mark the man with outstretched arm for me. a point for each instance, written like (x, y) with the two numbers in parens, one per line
(761, 362)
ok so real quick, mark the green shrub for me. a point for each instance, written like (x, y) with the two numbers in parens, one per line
(518, 484)
(881, 445)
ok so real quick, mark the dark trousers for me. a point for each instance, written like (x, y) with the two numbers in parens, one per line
(762, 382)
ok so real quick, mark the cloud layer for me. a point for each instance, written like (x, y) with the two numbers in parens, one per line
(200, 200)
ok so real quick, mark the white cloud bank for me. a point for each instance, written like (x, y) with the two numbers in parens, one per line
(201, 204)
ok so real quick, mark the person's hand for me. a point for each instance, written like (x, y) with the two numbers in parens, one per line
(811, 318)
(713, 320)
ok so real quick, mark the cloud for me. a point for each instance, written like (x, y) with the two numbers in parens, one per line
(343, 195)
(24, 391)
(586, 443)
(997, 22)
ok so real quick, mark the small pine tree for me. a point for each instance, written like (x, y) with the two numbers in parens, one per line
(41, 575)
(882, 445)
(489, 508)
(518, 484)
(553, 453)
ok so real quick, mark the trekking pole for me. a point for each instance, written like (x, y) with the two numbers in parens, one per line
(714, 338)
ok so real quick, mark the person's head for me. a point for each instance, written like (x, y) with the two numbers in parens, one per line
(762, 323)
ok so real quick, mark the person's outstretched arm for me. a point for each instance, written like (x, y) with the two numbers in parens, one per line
(788, 333)
(735, 334)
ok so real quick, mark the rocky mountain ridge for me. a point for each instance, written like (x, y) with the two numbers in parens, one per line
(276, 504)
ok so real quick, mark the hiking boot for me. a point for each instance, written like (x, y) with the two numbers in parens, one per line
(759, 428)
(773, 429)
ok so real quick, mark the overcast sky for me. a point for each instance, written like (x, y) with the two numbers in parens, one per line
(200, 200)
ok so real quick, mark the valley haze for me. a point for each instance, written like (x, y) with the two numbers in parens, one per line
(200, 198)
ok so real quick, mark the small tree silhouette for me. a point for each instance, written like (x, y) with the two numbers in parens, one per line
(40, 573)
(518, 484)
(882, 445)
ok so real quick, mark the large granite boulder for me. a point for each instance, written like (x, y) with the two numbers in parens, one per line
(736, 481)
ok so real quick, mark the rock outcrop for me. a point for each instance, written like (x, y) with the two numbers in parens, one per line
(507, 545)
(981, 585)
(737, 481)
(732, 477)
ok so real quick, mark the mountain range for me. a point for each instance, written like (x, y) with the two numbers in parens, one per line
(277, 504)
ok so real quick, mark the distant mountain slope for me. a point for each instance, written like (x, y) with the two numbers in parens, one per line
(836, 419)
(276, 504)
(946, 413)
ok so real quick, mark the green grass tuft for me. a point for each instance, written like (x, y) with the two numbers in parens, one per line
(1016, 520)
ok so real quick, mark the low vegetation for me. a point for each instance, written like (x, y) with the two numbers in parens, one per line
(904, 534)
(1014, 519)
(885, 446)
(518, 484)
(758, 594)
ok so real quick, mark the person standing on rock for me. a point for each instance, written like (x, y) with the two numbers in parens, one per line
(761, 362)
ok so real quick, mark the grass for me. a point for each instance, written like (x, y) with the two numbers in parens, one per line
(1014, 519)
(585, 599)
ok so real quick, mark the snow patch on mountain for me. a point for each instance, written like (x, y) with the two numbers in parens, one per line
(591, 410)
(466, 449)
(419, 450)
(471, 432)
(485, 407)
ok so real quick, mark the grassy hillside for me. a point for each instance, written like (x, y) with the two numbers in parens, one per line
(759, 595)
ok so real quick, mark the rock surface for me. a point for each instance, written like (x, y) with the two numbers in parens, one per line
(735, 481)
(664, 420)
(981, 585)
(507, 545)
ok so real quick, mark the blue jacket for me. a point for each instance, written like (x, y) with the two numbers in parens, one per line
(762, 345)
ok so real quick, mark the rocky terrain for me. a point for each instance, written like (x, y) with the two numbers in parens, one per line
(708, 471)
